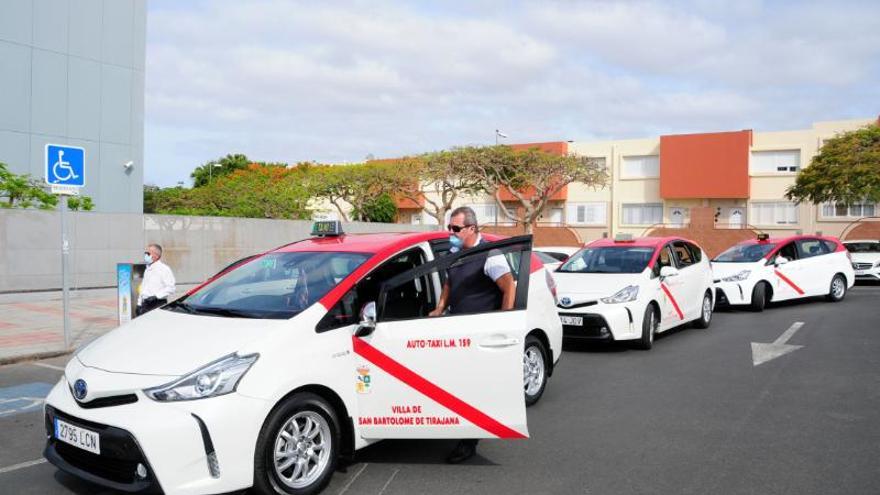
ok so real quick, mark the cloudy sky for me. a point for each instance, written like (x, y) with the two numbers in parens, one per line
(335, 81)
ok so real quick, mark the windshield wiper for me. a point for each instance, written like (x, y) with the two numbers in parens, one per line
(180, 306)
(224, 312)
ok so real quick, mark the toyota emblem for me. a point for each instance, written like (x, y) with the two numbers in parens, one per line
(565, 301)
(80, 389)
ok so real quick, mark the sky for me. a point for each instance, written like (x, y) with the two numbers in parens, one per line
(336, 82)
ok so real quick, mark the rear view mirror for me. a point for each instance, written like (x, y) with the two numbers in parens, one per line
(781, 260)
(668, 271)
(368, 320)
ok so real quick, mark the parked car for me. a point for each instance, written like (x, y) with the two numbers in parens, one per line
(865, 256)
(763, 270)
(632, 289)
(553, 256)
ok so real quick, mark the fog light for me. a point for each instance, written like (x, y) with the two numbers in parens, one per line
(141, 471)
(603, 331)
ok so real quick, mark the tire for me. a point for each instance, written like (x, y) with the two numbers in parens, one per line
(705, 318)
(534, 370)
(759, 297)
(317, 424)
(837, 289)
(650, 322)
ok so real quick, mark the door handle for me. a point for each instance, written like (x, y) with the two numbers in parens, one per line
(499, 342)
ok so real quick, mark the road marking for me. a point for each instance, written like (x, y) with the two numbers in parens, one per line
(347, 485)
(761, 353)
(50, 366)
(389, 481)
(16, 467)
(23, 398)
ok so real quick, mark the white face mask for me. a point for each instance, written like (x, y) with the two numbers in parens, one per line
(148, 259)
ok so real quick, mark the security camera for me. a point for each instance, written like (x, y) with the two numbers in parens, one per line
(127, 165)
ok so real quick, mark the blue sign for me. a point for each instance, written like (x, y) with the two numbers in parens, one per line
(65, 165)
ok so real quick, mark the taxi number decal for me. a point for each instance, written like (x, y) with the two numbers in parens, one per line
(789, 282)
(674, 302)
(432, 391)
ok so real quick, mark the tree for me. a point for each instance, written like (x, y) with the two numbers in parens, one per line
(531, 177)
(76, 203)
(22, 191)
(381, 209)
(215, 169)
(846, 170)
(357, 185)
(444, 175)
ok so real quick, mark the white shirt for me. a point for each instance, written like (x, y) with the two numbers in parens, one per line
(496, 266)
(158, 282)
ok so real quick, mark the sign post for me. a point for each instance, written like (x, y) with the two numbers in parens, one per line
(65, 174)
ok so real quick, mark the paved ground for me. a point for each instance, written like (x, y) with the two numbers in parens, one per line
(693, 415)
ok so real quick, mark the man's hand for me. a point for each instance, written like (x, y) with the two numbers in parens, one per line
(436, 312)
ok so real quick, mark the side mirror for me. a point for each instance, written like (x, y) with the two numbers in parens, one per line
(368, 320)
(668, 271)
(780, 260)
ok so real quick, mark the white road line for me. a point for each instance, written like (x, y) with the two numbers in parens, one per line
(50, 366)
(16, 467)
(347, 485)
(389, 481)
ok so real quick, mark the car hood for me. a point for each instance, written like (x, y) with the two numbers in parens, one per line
(721, 270)
(170, 343)
(865, 257)
(582, 287)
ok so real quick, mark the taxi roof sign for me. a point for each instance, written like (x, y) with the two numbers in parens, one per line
(327, 228)
(623, 238)
(763, 236)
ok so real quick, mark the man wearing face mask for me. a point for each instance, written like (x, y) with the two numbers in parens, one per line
(473, 288)
(158, 283)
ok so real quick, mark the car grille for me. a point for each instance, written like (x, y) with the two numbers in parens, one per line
(115, 400)
(591, 329)
(862, 266)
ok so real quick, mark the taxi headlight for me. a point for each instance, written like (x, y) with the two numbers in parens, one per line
(626, 294)
(218, 378)
(739, 277)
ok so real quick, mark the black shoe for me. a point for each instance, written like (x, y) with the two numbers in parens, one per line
(463, 451)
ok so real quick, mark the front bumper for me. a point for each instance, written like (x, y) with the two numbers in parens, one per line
(603, 322)
(732, 293)
(868, 274)
(166, 438)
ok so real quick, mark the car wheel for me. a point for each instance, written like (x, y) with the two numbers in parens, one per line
(298, 447)
(705, 318)
(650, 323)
(534, 369)
(759, 297)
(837, 291)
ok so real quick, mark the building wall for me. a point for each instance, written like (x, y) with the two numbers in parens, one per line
(73, 73)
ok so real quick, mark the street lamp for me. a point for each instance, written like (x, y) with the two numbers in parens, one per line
(499, 134)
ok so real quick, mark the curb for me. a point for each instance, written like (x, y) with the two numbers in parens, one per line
(34, 356)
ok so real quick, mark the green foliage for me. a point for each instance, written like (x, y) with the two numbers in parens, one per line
(846, 170)
(357, 185)
(77, 203)
(22, 191)
(380, 209)
(213, 170)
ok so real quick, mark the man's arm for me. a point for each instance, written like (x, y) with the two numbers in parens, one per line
(508, 289)
(168, 284)
(444, 300)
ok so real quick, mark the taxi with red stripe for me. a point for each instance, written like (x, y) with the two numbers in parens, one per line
(268, 373)
(758, 271)
(630, 289)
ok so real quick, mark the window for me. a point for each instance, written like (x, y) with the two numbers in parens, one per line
(616, 259)
(683, 253)
(485, 212)
(832, 210)
(586, 213)
(641, 166)
(642, 214)
(776, 213)
(788, 251)
(679, 216)
(696, 252)
(775, 162)
(663, 259)
(808, 248)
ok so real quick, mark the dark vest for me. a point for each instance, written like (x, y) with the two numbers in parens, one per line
(471, 290)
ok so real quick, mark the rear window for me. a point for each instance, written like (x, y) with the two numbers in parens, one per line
(862, 247)
(609, 260)
(744, 253)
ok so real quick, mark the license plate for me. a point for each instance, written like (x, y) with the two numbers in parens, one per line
(78, 437)
(861, 272)
(572, 320)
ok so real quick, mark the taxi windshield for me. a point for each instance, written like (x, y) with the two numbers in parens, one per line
(623, 259)
(272, 286)
(863, 247)
(745, 253)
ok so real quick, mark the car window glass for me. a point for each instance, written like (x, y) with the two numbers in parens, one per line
(663, 259)
(683, 253)
(830, 246)
(409, 300)
(788, 251)
(861, 247)
(807, 248)
(696, 252)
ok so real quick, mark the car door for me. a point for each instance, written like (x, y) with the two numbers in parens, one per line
(689, 276)
(452, 376)
(816, 269)
(787, 277)
(671, 312)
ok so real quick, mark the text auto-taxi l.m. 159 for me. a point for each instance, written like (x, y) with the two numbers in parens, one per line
(269, 372)
(762, 270)
(631, 289)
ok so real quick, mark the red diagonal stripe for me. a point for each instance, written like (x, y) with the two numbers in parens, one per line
(432, 391)
(674, 302)
(789, 282)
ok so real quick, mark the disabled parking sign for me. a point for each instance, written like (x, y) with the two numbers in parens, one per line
(65, 168)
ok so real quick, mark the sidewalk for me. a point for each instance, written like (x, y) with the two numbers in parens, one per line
(32, 323)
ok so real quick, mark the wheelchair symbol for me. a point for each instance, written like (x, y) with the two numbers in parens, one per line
(60, 165)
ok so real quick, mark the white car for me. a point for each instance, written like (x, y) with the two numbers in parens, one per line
(553, 256)
(865, 258)
(632, 289)
(763, 270)
(269, 372)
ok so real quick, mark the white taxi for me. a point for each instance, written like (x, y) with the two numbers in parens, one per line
(763, 270)
(269, 372)
(632, 289)
(865, 256)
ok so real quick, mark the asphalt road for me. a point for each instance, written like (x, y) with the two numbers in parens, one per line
(693, 415)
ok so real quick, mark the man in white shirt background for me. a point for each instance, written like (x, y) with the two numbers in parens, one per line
(158, 283)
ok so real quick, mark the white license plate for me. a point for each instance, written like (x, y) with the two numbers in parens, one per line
(861, 272)
(78, 437)
(572, 320)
